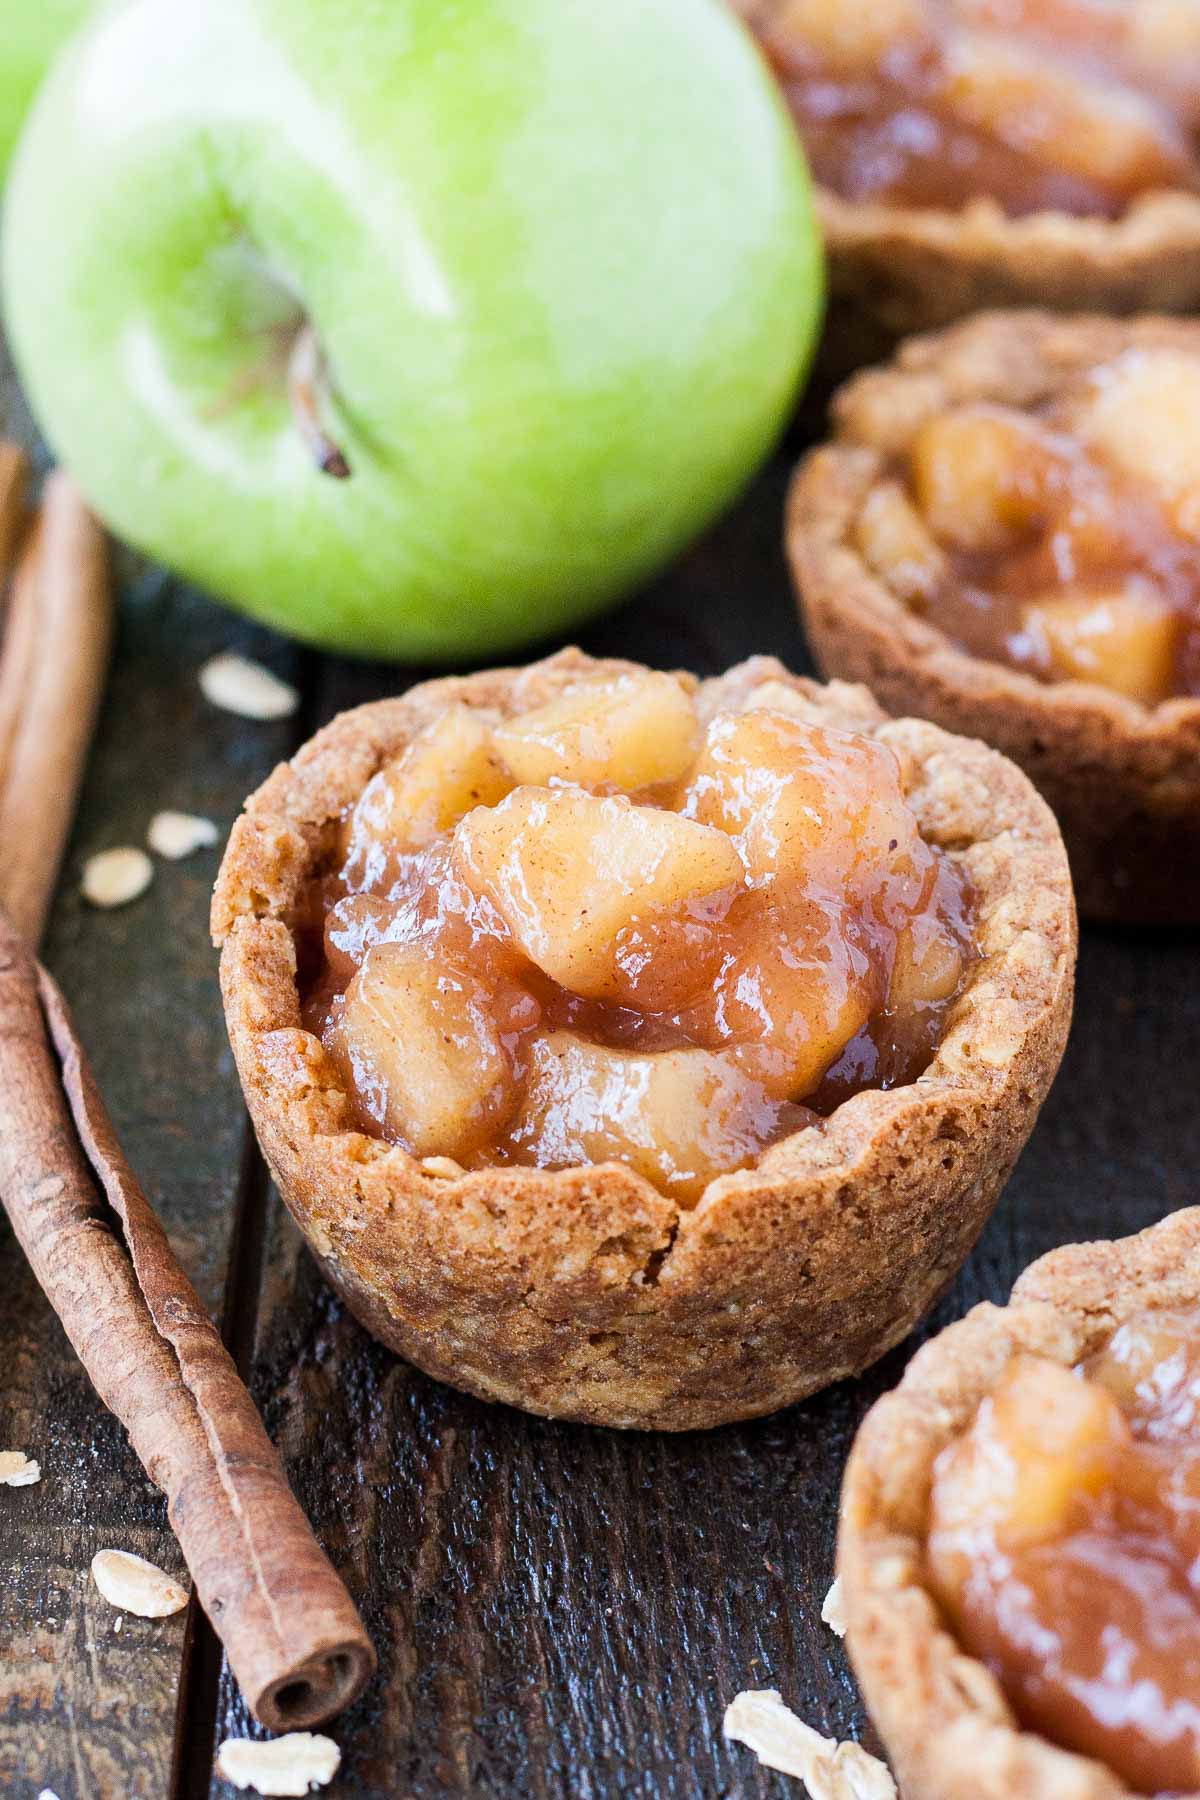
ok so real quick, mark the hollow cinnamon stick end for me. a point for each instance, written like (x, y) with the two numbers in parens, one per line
(314, 1690)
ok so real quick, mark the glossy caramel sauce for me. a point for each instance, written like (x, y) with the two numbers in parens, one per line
(1075, 106)
(675, 974)
(1065, 1545)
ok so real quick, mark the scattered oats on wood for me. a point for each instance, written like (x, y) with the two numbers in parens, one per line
(833, 1610)
(135, 1585)
(115, 877)
(293, 1764)
(830, 1771)
(237, 685)
(178, 834)
(18, 1470)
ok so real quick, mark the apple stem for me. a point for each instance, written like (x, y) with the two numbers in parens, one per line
(307, 385)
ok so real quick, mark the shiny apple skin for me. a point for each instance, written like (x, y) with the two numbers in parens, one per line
(31, 33)
(559, 255)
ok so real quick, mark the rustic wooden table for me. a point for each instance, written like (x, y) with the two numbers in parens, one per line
(557, 1611)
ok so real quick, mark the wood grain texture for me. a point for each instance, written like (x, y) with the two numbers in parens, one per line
(559, 1612)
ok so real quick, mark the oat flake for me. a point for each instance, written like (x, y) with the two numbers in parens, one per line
(115, 877)
(178, 834)
(135, 1585)
(780, 1740)
(18, 1470)
(293, 1764)
(237, 685)
(833, 1609)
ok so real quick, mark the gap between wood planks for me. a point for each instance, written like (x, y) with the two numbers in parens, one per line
(200, 1672)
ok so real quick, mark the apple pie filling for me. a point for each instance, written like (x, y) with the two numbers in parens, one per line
(1065, 1546)
(1063, 540)
(1074, 106)
(606, 928)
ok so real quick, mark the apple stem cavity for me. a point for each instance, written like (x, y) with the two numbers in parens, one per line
(307, 385)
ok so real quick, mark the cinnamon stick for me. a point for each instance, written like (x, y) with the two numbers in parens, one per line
(16, 647)
(293, 1637)
(14, 482)
(72, 631)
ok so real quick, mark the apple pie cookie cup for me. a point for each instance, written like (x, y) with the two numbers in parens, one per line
(586, 1292)
(950, 1728)
(1121, 772)
(965, 158)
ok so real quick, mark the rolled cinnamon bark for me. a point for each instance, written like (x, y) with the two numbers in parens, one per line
(20, 627)
(55, 667)
(294, 1639)
(14, 482)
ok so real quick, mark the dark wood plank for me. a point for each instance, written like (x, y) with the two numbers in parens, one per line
(566, 1612)
(84, 1710)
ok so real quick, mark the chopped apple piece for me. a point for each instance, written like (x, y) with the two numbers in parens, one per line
(929, 961)
(665, 961)
(679, 1117)
(790, 996)
(812, 1016)
(799, 799)
(1126, 640)
(978, 475)
(1112, 136)
(927, 970)
(635, 731)
(352, 926)
(1164, 37)
(1043, 1440)
(1155, 1358)
(417, 1038)
(851, 39)
(1142, 415)
(897, 543)
(1062, 1434)
(450, 768)
(567, 871)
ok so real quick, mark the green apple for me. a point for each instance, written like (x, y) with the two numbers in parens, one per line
(416, 328)
(31, 31)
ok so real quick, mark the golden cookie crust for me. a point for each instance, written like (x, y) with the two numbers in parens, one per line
(949, 1731)
(894, 270)
(587, 1294)
(1123, 778)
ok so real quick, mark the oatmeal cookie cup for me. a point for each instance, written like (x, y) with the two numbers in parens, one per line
(1122, 777)
(587, 1293)
(897, 270)
(949, 1729)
